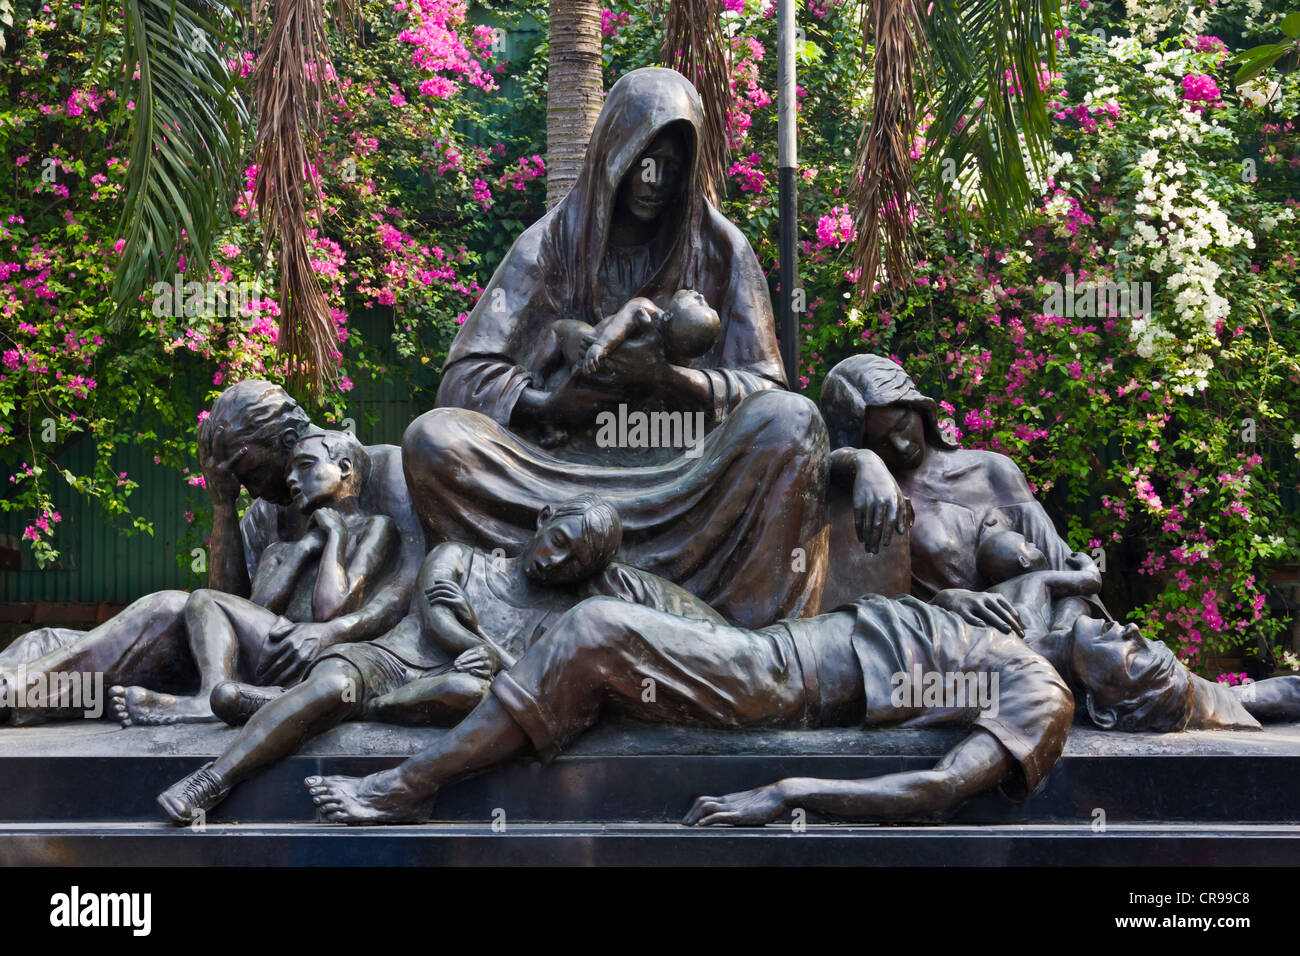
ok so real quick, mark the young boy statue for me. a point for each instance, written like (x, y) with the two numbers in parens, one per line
(479, 611)
(326, 572)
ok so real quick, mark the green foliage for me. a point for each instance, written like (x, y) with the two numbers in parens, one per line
(186, 118)
(411, 163)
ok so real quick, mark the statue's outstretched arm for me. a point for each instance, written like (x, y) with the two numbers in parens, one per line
(977, 764)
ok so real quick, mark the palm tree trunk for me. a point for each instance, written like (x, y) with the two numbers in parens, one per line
(574, 91)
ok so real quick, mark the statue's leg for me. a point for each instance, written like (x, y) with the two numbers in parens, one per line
(488, 736)
(438, 701)
(741, 520)
(647, 664)
(1276, 699)
(222, 629)
(326, 699)
(26, 648)
(144, 643)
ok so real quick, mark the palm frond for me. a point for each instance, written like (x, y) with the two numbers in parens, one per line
(991, 126)
(975, 65)
(694, 45)
(186, 140)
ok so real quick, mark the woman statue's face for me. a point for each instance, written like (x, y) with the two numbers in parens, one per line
(897, 435)
(655, 179)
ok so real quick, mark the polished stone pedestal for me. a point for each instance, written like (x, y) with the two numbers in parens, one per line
(83, 793)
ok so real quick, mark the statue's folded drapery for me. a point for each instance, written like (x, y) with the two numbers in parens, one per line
(742, 526)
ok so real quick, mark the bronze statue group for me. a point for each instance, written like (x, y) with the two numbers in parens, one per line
(509, 578)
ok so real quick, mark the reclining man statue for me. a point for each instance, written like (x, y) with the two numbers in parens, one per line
(874, 662)
(479, 611)
(1049, 611)
(837, 669)
(245, 442)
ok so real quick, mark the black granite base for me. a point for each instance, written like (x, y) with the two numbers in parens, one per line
(1125, 845)
(85, 793)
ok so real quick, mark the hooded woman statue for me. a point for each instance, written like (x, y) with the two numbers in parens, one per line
(718, 473)
(888, 444)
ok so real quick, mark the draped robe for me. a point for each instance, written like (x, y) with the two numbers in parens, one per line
(742, 523)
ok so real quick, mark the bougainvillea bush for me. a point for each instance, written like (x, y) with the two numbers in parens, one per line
(1161, 425)
(1135, 348)
(413, 173)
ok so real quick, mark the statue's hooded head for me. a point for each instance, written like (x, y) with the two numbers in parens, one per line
(649, 127)
(254, 425)
(861, 384)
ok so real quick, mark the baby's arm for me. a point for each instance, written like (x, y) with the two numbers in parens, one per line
(1039, 588)
(280, 566)
(613, 331)
(1081, 576)
(563, 345)
(340, 589)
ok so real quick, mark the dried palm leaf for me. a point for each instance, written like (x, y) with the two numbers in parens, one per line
(694, 45)
(881, 189)
(294, 74)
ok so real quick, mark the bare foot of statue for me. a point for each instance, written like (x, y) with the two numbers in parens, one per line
(140, 707)
(236, 702)
(378, 798)
(191, 797)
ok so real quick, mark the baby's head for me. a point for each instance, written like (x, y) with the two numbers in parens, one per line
(1006, 554)
(325, 467)
(575, 540)
(692, 326)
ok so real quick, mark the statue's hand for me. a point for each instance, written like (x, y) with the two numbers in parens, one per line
(591, 361)
(481, 662)
(880, 509)
(747, 808)
(638, 361)
(330, 521)
(450, 594)
(576, 402)
(981, 608)
(219, 476)
(297, 647)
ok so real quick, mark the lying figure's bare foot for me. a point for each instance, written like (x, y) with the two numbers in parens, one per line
(378, 798)
(191, 797)
(140, 707)
(236, 703)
